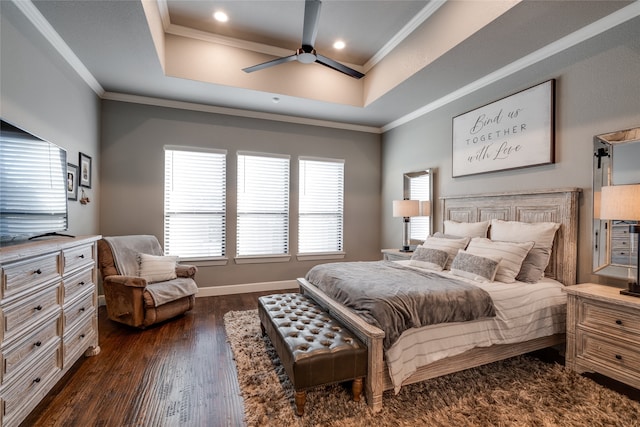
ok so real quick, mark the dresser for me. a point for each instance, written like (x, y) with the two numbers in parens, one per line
(603, 332)
(395, 255)
(48, 300)
(623, 249)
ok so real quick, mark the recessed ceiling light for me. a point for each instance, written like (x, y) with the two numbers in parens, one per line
(339, 45)
(221, 16)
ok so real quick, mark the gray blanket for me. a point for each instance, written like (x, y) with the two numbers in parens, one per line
(396, 298)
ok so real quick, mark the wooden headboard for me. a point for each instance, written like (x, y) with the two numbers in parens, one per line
(559, 206)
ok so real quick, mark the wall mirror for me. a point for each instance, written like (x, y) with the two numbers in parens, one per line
(615, 161)
(419, 186)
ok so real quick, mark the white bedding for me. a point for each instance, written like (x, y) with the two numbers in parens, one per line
(524, 311)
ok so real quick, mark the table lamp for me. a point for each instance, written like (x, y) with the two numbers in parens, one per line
(406, 209)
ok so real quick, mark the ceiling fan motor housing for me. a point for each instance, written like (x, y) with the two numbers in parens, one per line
(306, 54)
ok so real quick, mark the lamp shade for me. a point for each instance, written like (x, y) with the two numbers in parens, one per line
(425, 208)
(406, 208)
(620, 202)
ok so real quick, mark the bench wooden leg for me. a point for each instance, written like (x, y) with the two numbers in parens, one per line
(356, 388)
(301, 398)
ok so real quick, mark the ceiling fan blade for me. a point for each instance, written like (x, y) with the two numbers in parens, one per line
(328, 62)
(271, 63)
(310, 27)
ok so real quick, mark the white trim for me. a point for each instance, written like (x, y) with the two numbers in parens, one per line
(261, 259)
(182, 105)
(320, 256)
(163, 8)
(263, 154)
(195, 149)
(417, 20)
(610, 21)
(321, 159)
(211, 291)
(49, 33)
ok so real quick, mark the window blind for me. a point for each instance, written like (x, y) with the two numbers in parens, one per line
(195, 203)
(263, 204)
(320, 223)
(419, 190)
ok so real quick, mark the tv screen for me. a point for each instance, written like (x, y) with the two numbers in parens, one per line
(33, 185)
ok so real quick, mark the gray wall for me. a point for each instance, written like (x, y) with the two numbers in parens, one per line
(40, 93)
(132, 165)
(597, 91)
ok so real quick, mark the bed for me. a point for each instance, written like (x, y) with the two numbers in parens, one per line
(558, 206)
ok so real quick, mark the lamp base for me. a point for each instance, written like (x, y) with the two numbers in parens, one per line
(632, 290)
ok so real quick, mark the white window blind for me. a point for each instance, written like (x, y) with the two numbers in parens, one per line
(195, 202)
(419, 190)
(263, 204)
(320, 223)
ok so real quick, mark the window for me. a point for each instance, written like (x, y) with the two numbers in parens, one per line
(321, 205)
(263, 204)
(195, 202)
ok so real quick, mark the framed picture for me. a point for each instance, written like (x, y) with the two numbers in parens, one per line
(85, 171)
(513, 132)
(72, 182)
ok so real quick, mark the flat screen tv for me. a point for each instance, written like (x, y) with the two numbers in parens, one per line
(33, 186)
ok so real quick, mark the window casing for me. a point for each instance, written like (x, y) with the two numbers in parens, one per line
(195, 203)
(321, 205)
(263, 204)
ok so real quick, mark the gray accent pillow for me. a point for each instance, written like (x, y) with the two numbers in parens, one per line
(432, 259)
(478, 268)
(450, 246)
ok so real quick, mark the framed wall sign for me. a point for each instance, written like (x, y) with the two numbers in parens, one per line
(513, 132)
(85, 171)
(72, 181)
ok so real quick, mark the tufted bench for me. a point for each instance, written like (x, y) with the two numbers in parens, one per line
(313, 348)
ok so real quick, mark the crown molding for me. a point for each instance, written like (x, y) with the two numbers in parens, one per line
(49, 33)
(604, 24)
(192, 106)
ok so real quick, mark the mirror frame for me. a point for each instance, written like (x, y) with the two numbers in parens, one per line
(603, 157)
(406, 193)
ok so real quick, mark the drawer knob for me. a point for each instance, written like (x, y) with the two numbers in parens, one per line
(81, 310)
(618, 357)
(618, 322)
(81, 256)
(81, 336)
(37, 343)
(38, 271)
(81, 283)
(37, 380)
(38, 308)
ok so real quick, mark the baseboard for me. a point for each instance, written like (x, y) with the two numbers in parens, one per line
(246, 288)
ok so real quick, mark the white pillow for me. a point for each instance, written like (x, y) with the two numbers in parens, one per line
(474, 267)
(155, 268)
(432, 259)
(450, 246)
(512, 255)
(466, 229)
(542, 233)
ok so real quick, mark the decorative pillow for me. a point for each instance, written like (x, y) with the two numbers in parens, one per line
(467, 229)
(450, 246)
(478, 268)
(156, 268)
(432, 259)
(542, 233)
(511, 253)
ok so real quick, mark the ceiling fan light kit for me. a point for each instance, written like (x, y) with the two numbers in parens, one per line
(307, 54)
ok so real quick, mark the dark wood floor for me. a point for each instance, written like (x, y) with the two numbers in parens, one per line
(180, 373)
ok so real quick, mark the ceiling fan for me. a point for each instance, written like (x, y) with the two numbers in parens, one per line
(307, 54)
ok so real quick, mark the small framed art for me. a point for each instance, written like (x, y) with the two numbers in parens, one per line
(72, 181)
(85, 171)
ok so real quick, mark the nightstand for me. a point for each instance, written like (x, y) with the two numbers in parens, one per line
(603, 332)
(395, 255)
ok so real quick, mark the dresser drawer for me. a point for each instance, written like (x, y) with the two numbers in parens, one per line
(609, 352)
(29, 274)
(24, 394)
(21, 315)
(616, 320)
(74, 312)
(77, 340)
(76, 284)
(31, 347)
(75, 258)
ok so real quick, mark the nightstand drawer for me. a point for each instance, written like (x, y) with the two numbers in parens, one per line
(609, 352)
(615, 320)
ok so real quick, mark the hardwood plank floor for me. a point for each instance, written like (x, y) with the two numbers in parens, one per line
(180, 373)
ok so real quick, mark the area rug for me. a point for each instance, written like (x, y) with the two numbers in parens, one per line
(521, 391)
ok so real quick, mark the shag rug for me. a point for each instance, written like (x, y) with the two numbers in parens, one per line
(521, 391)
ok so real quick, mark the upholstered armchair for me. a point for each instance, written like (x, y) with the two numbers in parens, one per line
(141, 285)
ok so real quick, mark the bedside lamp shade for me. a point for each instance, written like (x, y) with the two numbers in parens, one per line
(406, 209)
(622, 202)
